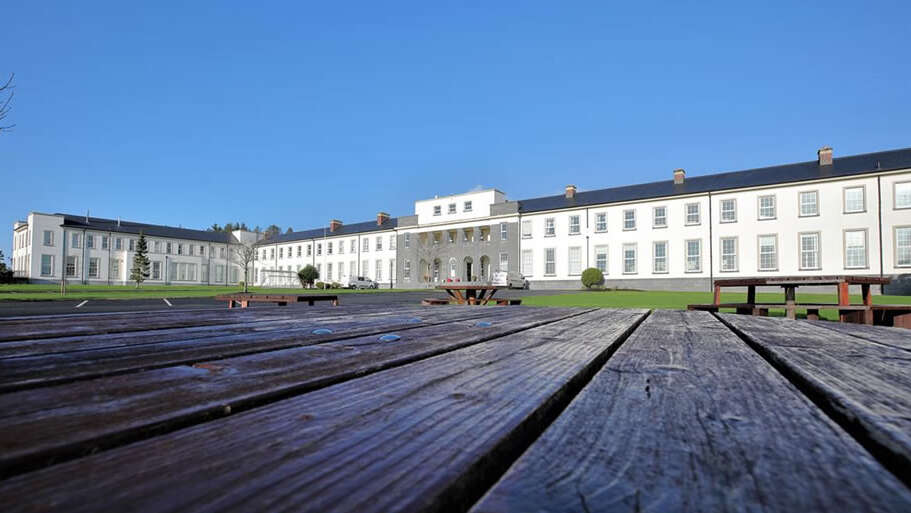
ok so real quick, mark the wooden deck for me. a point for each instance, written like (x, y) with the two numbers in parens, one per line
(449, 408)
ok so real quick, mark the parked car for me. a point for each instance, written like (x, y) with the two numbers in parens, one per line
(362, 282)
(509, 279)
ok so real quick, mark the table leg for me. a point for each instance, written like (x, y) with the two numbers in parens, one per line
(717, 294)
(790, 301)
(751, 294)
(457, 294)
(490, 294)
(844, 299)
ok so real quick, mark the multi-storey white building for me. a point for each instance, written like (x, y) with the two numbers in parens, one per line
(849, 215)
(48, 247)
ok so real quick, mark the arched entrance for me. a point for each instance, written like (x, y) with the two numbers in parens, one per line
(467, 265)
(436, 269)
(485, 268)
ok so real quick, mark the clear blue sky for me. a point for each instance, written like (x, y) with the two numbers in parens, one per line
(296, 113)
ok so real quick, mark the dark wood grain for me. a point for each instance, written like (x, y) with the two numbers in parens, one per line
(44, 370)
(864, 385)
(686, 417)
(426, 436)
(899, 338)
(119, 409)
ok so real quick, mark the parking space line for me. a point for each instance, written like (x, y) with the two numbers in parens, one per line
(82, 303)
(166, 301)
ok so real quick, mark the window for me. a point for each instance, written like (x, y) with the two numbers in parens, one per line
(451, 209)
(89, 241)
(329, 271)
(466, 207)
(319, 249)
(729, 261)
(504, 262)
(550, 262)
(272, 253)
(527, 261)
(504, 231)
(768, 252)
(352, 268)
(115, 269)
(902, 246)
(903, 195)
(767, 207)
(575, 261)
(190, 250)
(379, 270)
(549, 230)
(659, 257)
(365, 245)
(47, 264)
(281, 252)
(406, 270)
(310, 250)
(104, 242)
(48, 238)
(729, 211)
(364, 267)
(118, 244)
(156, 270)
(659, 217)
(809, 251)
(298, 250)
(437, 210)
(601, 221)
(379, 244)
(156, 246)
(855, 249)
(526, 229)
(601, 258)
(94, 266)
(392, 241)
(75, 241)
(629, 219)
(692, 213)
(132, 244)
(71, 265)
(629, 258)
(574, 225)
(167, 246)
(452, 267)
(855, 199)
(202, 250)
(693, 255)
(809, 203)
(407, 240)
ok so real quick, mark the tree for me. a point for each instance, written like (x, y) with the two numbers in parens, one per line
(141, 263)
(591, 277)
(272, 231)
(308, 275)
(289, 230)
(6, 274)
(429, 249)
(6, 97)
(246, 254)
(215, 228)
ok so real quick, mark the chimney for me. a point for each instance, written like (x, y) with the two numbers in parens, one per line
(381, 218)
(679, 175)
(825, 156)
(334, 224)
(570, 191)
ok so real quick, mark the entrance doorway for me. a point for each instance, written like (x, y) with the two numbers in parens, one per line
(468, 269)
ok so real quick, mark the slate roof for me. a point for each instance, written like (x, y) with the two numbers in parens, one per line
(345, 229)
(801, 171)
(151, 230)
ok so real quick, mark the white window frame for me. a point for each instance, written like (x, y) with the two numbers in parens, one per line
(895, 205)
(866, 248)
(655, 216)
(504, 262)
(759, 238)
(550, 263)
(697, 214)
(721, 210)
(602, 250)
(504, 231)
(600, 222)
(863, 197)
(655, 257)
(800, 251)
(574, 268)
(526, 228)
(633, 219)
(528, 266)
(50, 265)
(763, 217)
(687, 255)
(735, 255)
(466, 206)
(575, 222)
(438, 210)
(48, 238)
(407, 240)
(896, 246)
(451, 209)
(623, 254)
(800, 195)
(550, 225)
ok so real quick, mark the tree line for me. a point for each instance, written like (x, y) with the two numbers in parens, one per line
(271, 231)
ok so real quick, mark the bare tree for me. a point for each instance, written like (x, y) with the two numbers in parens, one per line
(246, 254)
(6, 97)
(429, 250)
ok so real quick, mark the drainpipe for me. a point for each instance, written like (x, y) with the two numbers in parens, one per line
(63, 264)
(879, 207)
(84, 264)
(711, 253)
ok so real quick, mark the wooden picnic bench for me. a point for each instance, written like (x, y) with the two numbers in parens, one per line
(467, 294)
(243, 300)
(378, 408)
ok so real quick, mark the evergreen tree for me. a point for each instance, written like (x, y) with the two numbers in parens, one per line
(141, 262)
(290, 230)
(215, 228)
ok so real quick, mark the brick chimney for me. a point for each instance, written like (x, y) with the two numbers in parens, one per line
(679, 175)
(381, 218)
(825, 156)
(570, 191)
(334, 224)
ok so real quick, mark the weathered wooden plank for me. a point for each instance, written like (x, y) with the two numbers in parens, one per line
(45, 346)
(111, 411)
(899, 338)
(863, 385)
(43, 370)
(685, 417)
(424, 436)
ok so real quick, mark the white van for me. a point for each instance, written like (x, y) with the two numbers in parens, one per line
(509, 279)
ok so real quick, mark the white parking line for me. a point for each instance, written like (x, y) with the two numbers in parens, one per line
(166, 301)
(82, 303)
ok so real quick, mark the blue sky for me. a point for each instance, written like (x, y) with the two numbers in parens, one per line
(299, 112)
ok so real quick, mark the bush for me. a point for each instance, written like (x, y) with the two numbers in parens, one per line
(335, 285)
(592, 277)
(320, 285)
(240, 284)
(307, 275)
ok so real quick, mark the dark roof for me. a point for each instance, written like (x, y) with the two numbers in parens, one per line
(345, 229)
(799, 172)
(151, 230)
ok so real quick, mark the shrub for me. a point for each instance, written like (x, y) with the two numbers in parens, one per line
(320, 285)
(592, 277)
(307, 275)
(336, 285)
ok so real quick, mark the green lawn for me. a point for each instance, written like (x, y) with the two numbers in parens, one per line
(36, 292)
(678, 300)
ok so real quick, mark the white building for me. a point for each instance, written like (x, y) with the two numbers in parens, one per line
(848, 215)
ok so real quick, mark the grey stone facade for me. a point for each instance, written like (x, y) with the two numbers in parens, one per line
(479, 257)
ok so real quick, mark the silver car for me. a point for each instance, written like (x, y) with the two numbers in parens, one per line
(362, 282)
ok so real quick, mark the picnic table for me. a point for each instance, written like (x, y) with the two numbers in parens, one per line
(463, 293)
(847, 312)
(377, 408)
(243, 299)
